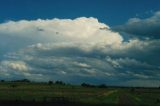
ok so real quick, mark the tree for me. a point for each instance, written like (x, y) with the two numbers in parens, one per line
(25, 80)
(60, 83)
(50, 82)
(87, 85)
(2, 80)
(14, 85)
(102, 86)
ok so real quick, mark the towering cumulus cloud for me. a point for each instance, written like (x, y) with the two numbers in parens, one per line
(76, 51)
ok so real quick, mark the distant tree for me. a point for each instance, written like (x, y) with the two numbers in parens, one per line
(84, 84)
(50, 82)
(87, 85)
(2, 80)
(102, 86)
(23, 80)
(60, 83)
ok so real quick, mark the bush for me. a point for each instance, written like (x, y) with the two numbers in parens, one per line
(132, 89)
(157, 100)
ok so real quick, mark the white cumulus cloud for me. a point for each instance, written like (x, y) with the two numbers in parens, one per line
(15, 65)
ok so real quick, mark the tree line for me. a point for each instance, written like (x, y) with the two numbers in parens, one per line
(59, 82)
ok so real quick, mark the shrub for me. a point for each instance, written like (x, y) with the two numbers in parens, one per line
(14, 86)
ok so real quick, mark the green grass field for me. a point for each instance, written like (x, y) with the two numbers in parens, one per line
(40, 92)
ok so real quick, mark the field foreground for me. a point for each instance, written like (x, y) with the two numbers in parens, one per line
(43, 94)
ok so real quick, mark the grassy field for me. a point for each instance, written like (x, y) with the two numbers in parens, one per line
(41, 92)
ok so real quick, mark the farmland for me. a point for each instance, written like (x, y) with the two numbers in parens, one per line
(44, 93)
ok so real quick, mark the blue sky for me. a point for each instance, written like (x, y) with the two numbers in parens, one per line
(112, 12)
(115, 42)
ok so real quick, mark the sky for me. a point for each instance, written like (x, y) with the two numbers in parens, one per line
(105, 10)
(114, 42)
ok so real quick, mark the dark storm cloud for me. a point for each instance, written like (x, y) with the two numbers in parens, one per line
(149, 27)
